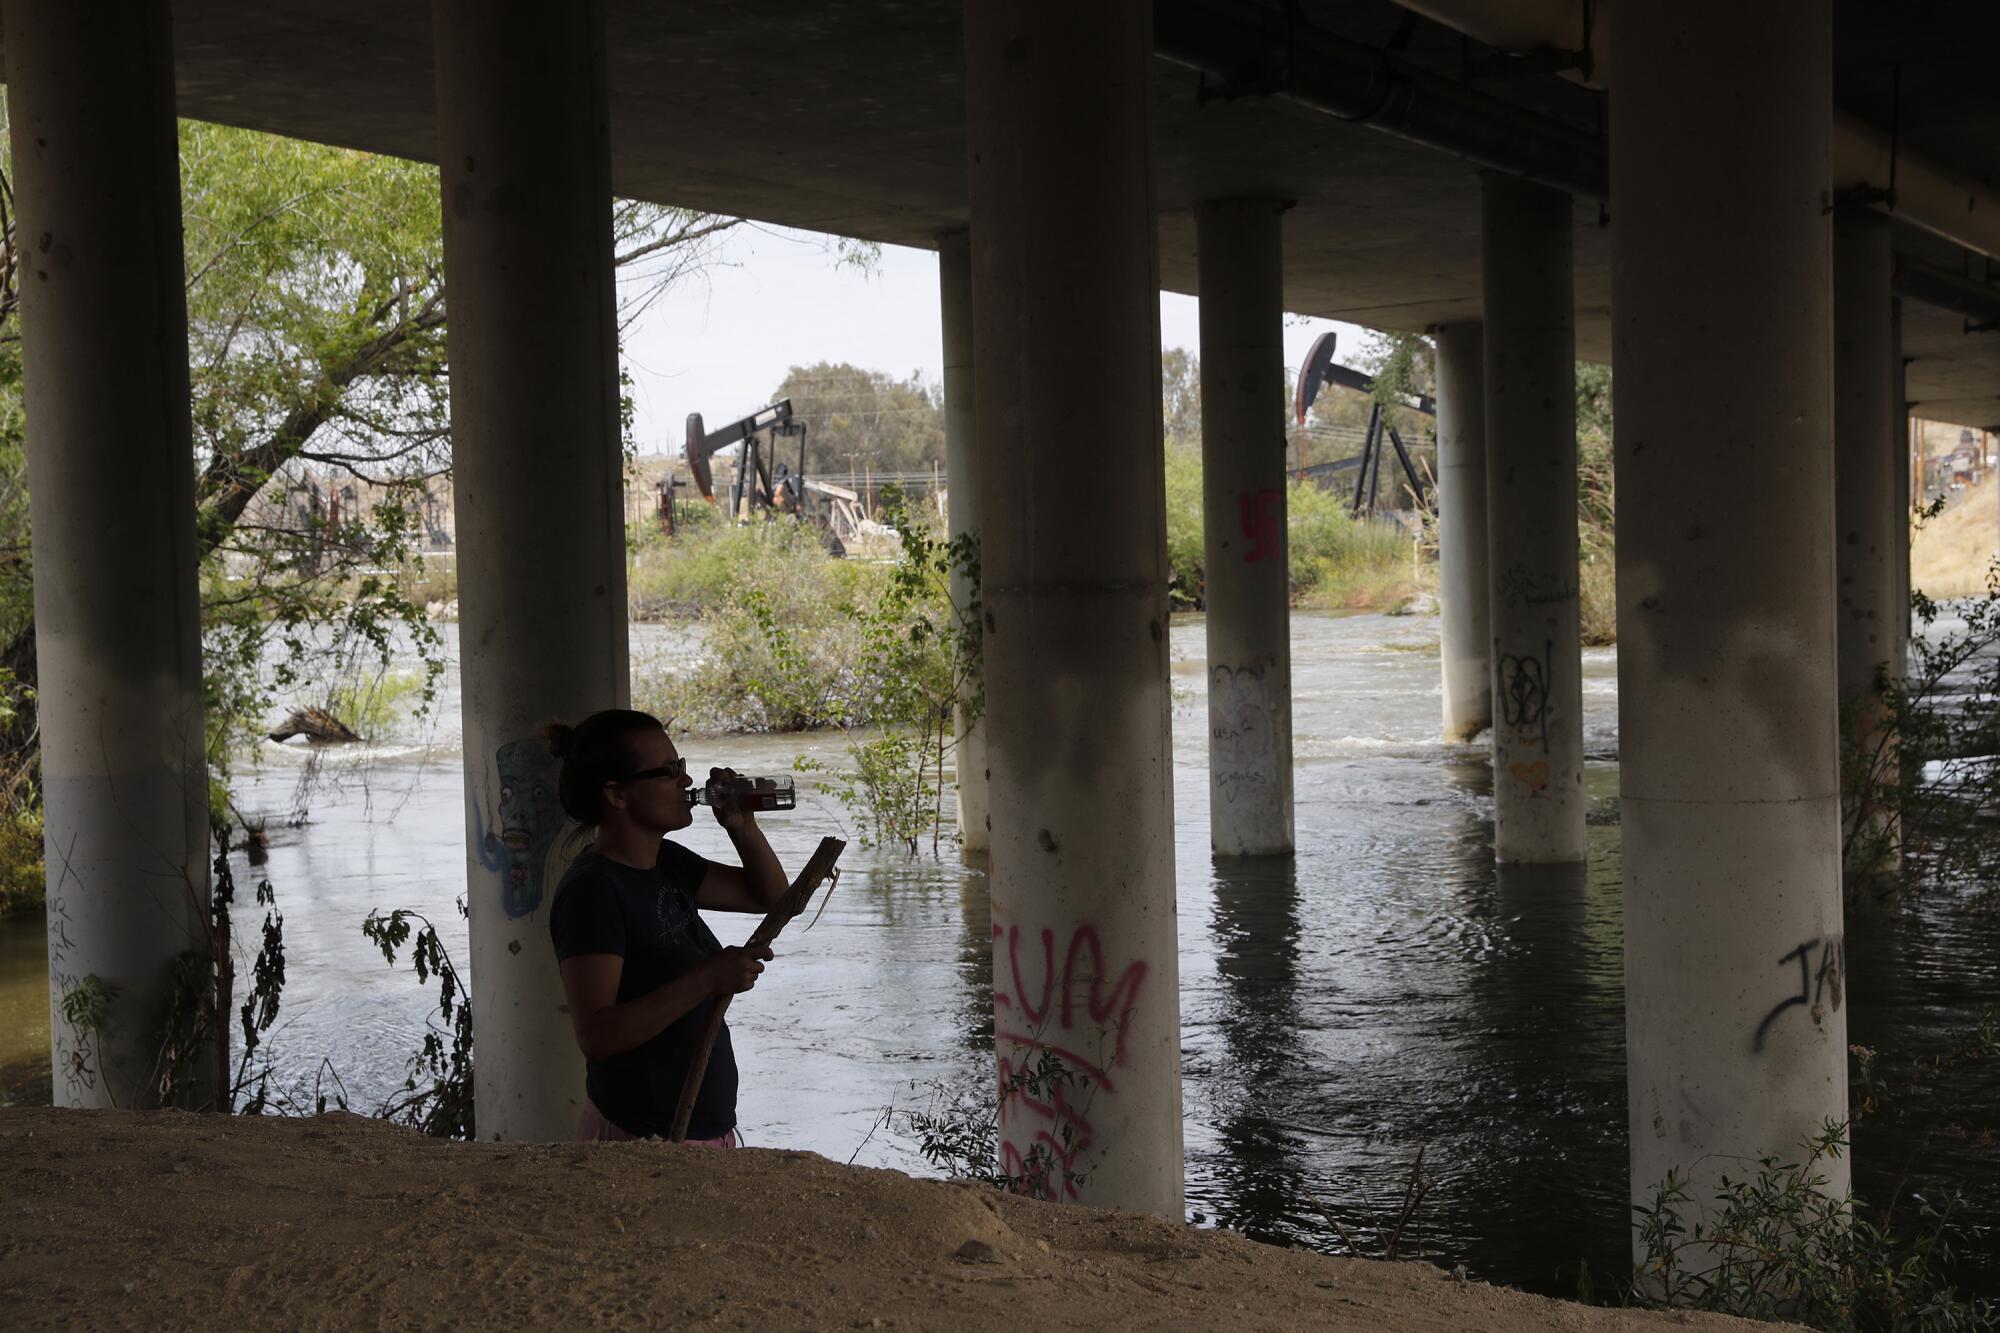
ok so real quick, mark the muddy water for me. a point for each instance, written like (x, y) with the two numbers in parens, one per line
(1387, 992)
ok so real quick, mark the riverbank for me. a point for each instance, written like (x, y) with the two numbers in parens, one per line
(168, 1219)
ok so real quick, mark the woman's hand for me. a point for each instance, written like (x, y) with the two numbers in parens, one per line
(734, 969)
(727, 812)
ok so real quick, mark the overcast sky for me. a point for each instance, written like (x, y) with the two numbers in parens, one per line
(722, 341)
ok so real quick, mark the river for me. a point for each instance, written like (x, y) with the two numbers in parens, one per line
(1388, 991)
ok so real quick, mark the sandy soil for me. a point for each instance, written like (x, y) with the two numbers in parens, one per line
(1949, 555)
(170, 1220)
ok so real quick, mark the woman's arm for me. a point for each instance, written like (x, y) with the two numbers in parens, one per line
(605, 1028)
(760, 883)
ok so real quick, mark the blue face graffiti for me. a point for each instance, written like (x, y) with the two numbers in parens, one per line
(530, 818)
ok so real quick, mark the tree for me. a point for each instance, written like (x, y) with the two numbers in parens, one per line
(857, 417)
(316, 316)
(1180, 395)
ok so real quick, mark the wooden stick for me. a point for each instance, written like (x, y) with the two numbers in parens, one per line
(795, 900)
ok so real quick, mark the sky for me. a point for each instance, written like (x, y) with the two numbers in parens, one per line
(722, 340)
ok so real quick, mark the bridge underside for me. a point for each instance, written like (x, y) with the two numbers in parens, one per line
(849, 117)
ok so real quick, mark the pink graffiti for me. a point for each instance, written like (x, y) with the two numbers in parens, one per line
(1259, 513)
(1055, 1114)
(1067, 1010)
(1015, 1008)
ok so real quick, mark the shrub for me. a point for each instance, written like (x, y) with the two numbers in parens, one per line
(781, 627)
(1338, 560)
(1186, 588)
(1931, 758)
(1777, 1245)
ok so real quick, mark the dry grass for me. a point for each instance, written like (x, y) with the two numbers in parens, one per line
(1949, 555)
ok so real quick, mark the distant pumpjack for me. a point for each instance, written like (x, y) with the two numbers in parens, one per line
(1320, 368)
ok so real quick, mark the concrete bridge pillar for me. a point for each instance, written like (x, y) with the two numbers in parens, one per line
(1065, 278)
(1243, 503)
(1465, 648)
(1530, 369)
(1869, 552)
(961, 470)
(90, 98)
(1899, 406)
(1734, 976)
(542, 619)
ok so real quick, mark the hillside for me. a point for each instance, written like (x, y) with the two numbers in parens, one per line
(1949, 556)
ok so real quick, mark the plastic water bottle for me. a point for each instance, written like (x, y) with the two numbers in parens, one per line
(751, 794)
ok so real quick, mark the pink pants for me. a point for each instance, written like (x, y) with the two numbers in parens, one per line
(592, 1127)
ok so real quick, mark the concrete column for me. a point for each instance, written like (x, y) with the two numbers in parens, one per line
(1867, 562)
(1735, 1032)
(961, 470)
(1065, 282)
(104, 351)
(1899, 406)
(1530, 368)
(534, 402)
(1243, 503)
(1465, 634)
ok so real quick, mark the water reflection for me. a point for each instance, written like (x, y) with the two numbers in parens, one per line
(1545, 1082)
(1262, 1170)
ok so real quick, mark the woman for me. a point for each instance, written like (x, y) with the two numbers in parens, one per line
(639, 966)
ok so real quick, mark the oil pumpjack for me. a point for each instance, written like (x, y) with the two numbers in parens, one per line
(1320, 368)
(764, 481)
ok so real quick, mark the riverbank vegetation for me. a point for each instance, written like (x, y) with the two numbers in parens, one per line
(1776, 1242)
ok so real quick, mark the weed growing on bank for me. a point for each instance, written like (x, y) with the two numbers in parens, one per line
(437, 1087)
(958, 1130)
(1775, 1243)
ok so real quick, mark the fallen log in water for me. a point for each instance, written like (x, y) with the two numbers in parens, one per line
(315, 724)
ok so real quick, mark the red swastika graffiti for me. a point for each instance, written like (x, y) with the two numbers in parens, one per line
(1260, 512)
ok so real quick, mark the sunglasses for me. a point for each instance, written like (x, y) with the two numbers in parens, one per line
(677, 769)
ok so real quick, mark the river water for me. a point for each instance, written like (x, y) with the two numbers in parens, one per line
(1386, 992)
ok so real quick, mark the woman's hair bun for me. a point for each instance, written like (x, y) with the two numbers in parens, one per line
(558, 735)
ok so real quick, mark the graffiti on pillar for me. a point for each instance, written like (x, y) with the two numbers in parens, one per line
(75, 1038)
(1524, 691)
(1822, 965)
(1060, 1035)
(1521, 584)
(1535, 777)
(1242, 738)
(1260, 513)
(525, 827)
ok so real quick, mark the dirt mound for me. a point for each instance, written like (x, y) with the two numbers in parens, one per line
(1949, 555)
(110, 1219)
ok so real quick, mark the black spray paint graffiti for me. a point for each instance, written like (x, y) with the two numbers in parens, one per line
(1524, 689)
(1819, 987)
(1243, 743)
(1530, 589)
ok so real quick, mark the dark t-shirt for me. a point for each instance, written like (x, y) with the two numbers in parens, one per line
(648, 918)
